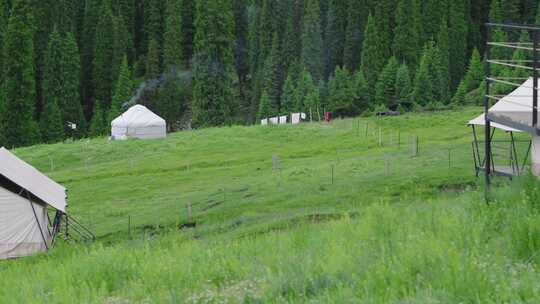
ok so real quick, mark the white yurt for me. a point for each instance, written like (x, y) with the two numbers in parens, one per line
(25, 197)
(138, 122)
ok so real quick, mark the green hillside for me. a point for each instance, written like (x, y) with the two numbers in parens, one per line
(321, 213)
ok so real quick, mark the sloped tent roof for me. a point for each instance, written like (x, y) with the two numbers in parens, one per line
(138, 121)
(514, 109)
(481, 121)
(35, 182)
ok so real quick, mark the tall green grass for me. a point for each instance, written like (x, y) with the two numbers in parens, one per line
(417, 231)
(451, 250)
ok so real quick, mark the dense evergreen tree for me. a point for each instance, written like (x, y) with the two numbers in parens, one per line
(19, 87)
(4, 15)
(52, 124)
(122, 92)
(360, 93)
(152, 60)
(104, 55)
(423, 91)
(405, 39)
(403, 88)
(356, 21)
(214, 40)
(274, 75)
(385, 91)
(458, 47)
(172, 56)
(264, 107)
(340, 94)
(91, 18)
(98, 124)
(312, 41)
(475, 72)
(335, 35)
(242, 48)
(241, 58)
(443, 66)
(288, 97)
(70, 101)
(372, 60)
(171, 104)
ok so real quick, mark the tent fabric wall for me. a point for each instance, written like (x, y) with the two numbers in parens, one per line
(139, 122)
(32, 180)
(20, 233)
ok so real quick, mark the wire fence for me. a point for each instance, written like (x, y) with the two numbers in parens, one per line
(383, 157)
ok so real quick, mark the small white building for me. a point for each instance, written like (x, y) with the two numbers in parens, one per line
(138, 122)
(25, 197)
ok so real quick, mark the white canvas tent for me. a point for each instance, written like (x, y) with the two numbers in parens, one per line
(25, 195)
(138, 122)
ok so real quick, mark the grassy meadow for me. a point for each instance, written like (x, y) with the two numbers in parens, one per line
(349, 212)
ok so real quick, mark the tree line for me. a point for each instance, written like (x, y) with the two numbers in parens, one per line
(219, 62)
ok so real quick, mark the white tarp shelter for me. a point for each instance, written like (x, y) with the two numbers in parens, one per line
(25, 195)
(138, 122)
(513, 113)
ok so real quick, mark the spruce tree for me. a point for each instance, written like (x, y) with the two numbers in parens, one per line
(403, 88)
(4, 15)
(312, 99)
(122, 92)
(19, 88)
(372, 60)
(152, 60)
(241, 59)
(104, 55)
(51, 123)
(475, 72)
(443, 66)
(356, 22)
(288, 98)
(291, 43)
(334, 45)
(213, 63)
(91, 18)
(432, 12)
(172, 56)
(188, 29)
(171, 104)
(264, 107)
(405, 39)
(360, 93)
(423, 83)
(340, 94)
(70, 102)
(386, 85)
(98, 125)
(305, 82)
(274, 75)
(458, 36)
(121, 47)
(312, 41)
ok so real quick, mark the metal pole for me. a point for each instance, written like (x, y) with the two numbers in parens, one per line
(487, 122)
(535, 79)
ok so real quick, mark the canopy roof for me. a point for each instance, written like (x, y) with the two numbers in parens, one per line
(515, 109)
(481, 121)
(513, 112)
(138, 116)
(33, 181)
